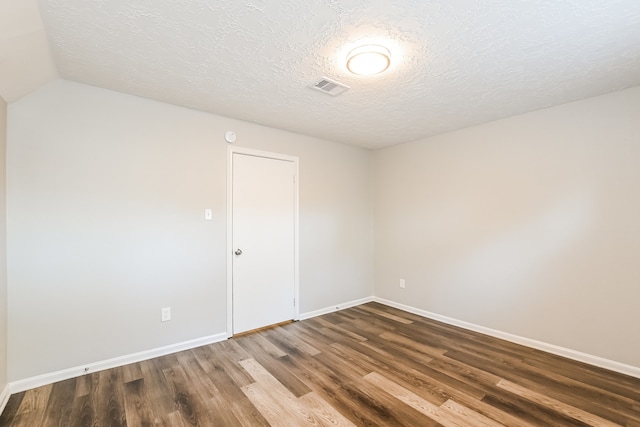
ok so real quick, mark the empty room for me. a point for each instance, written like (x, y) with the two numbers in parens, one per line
(329, 213)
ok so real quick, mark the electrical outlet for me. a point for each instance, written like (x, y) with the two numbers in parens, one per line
(208, 214)
(402, 283)
(166, 314)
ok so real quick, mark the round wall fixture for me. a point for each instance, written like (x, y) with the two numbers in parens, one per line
(368, 60)
(230, 137)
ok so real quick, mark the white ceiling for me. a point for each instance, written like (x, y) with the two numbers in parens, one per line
(455, 63)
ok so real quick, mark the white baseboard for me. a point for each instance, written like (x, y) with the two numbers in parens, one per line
(334, 308)
(40, 380)
(601, 362)
(4, 397)
(49, 378)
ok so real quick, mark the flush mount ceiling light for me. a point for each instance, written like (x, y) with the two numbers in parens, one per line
(368, 60)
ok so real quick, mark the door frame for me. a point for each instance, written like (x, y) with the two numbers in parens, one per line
(296, 231)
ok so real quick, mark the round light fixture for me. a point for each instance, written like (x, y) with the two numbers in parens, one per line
(368, 60)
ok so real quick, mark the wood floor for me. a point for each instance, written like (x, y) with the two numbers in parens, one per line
(368, 365)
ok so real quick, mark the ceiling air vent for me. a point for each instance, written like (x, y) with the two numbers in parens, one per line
(330, 87)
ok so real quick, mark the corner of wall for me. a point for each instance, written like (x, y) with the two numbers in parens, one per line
(4, 393)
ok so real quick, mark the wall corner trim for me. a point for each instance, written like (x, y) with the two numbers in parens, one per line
(601, 362)
(49, 378)
(4, 398)
(333, 308)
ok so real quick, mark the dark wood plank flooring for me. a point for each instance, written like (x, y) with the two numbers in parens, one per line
(364, 366)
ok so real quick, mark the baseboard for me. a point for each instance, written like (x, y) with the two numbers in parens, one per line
(334, 308)
(4, 398)
(601, 362)
(40, 380)
(49, 378)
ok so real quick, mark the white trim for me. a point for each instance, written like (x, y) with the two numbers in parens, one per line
(4, 398)
(52, 377)
(40, 380)
(229, 245)
(601, 362)
(335, 308)
(231, 150)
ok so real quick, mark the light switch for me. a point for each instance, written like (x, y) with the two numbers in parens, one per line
(208, 214)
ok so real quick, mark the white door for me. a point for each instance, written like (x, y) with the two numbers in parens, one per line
(263, 241)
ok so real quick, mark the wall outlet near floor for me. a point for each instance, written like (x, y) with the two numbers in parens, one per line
(166, 314)
(402, 283)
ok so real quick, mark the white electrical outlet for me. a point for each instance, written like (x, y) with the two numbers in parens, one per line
(402, 283)
(166, 314)
(208, 214)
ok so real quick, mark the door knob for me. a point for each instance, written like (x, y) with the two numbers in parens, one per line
(238, 252)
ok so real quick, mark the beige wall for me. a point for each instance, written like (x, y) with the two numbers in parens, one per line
(3, 247)
(106, 197)
(528, 225)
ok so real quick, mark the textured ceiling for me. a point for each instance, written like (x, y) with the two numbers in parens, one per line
(455, 63)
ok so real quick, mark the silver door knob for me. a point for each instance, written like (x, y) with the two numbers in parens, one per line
(238, 252)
